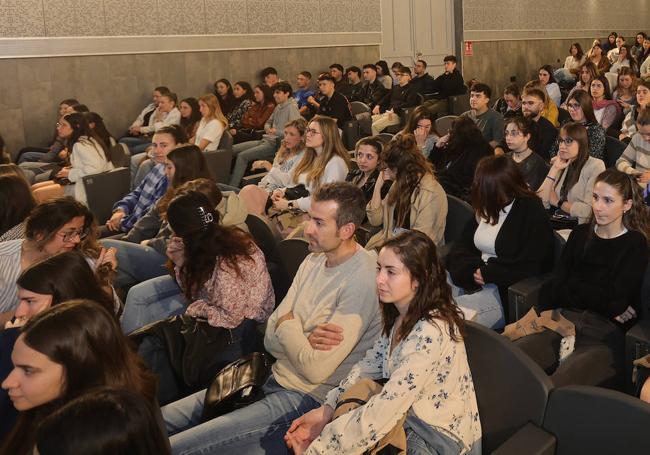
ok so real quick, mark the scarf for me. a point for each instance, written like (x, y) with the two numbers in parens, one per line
(604, 103)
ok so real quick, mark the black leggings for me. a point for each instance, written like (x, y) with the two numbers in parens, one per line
(598, 358)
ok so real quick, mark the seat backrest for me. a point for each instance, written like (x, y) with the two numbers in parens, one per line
(645, 295)
(225, 143)
(511, 389)
(292, 252)
(385, 137)
(558, 246)
(121, 155)
(263, 237)
(613, 150)
(443, 124)
(105, 189)
(357, 107)
(219, 164)
(596, 421)
(458, 104)
(459, 213)
(420, 98)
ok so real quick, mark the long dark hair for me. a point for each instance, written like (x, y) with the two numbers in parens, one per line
(638, 217)
(16, 201)
(103, 421)
(86, 340)
(268, 94)
(402, 156)
(189, 125)
(384, 67)
(248, 91)
(433, 299)
(419, 113)
(549, 70)
(82, 132)
(497, 182)
(464, 136)
(578, 133)
(228, 102)
(65, 276)
(586, 104)
(99, 128)
(196, 221)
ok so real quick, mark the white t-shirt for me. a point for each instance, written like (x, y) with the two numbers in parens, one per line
(210, 131)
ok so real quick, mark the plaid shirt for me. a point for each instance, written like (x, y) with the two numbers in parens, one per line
(137, 202)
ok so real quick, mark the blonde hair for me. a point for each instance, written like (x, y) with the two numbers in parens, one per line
(212, 102)
(283, 153)
(314, 165)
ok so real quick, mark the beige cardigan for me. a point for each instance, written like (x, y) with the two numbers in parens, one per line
(428, 213)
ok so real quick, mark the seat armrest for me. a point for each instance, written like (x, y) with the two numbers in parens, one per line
(526, 294)
(531, 440)
(637, 345)
(253, 179)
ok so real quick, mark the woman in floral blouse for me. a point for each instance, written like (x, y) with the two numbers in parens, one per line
(421, 358)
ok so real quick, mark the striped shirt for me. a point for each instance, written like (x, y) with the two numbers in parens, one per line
(10, 253)
(137, 202)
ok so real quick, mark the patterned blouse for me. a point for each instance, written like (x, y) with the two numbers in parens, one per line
(428, 378)
(237, 114)
(15, 233)
(280, 175)
(226, 299)
(596, 136)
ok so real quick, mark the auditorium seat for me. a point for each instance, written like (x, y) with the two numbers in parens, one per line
(443, 124)
(459, 213)
(105, 189)
(292, 252)
(613, 150)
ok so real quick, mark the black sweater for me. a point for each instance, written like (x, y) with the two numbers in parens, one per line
(601, 275)
(336, 107)
(455, 169)
(524, 248)
(400, 97)
(449, 84)
(373, 93)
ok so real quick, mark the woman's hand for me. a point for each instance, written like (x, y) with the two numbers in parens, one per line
(233, 131)
(176, 251)
(277, 194)
(107, 256)
(442, 142)
(478, 277)
(386, 174)
(63, 173)
(281, 204)
(306, 428)
(375, 110)
(113, 224)
(559, 164)
(261, 164)
(420, 136)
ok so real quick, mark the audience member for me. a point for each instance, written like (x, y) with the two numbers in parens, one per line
(610, 43)
(330, 102)
(532, 106)
(355, 82)
(572, 65)
(415, 200)
(606, 110)
(551, 111)
(638, 44)
(373, 91)
(279, 174)
(390, 111)
(147, 112)
(570, 181)
(623, 60)
(225, 97)
(333, 290)
(597, 56)
(635, 159)
(340, 79)
(518, 133)
(509, 240)
(270, 76)
(16, 203)
(383, 74)
(613, 53)
(545, 76)
(421, 340)
(456, 154)
(422, 80)
(642, 100)
(62, 353)
(103, 420)
(190, 117)
(581, 110)
(449, 83)
(303, 92)
(596, 287)
(286, 110)
(367, 153)
(396, 69)
(488, 120)
(244, 100)
(510, 104)
(255, 117)
(212, 125)
(420, 124)
(625, 93)
(588, 73)
(643, 58)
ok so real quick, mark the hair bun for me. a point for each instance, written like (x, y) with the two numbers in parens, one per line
(405, 141)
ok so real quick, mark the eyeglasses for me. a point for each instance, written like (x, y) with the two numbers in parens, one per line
(574, 106)
(426, 126)
(311, 131)
(68, 236)
(513, 133)
(565, 141)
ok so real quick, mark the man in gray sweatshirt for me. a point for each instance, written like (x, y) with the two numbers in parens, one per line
(334, 290)
(286, 109)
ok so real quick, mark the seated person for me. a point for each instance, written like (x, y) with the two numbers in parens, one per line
(16, 203)
(570, 181)
(597, 287)
(509, 240)
(449, 83)
(225, 97)
(383, 74)
(390, 111)
(303, 92)
(588, 72)
(355, 83)
(567, 74)
(625, 93)
(635, 159)
(334, 286)
(133, 206)
(510, 104)
(551, 111)
(270, 76)
(606, 110)
(89, 155)
(533, 167)
(456, 155)
(373, 91)
(224, 282)
(415, 200)
(255, 117)
(622, 60)
(420, 123)
(367, 154)
(545, 77)
(212, 125)
(285, 110)
(614, 50)
(330, 102)
(421, 340)
(244, 97)
(596, 55)
(340, 80)
(147, 112)
(280, 173)
(488, 120)
(642, 102)
(422, 80)
(532, 106)
(581, 110)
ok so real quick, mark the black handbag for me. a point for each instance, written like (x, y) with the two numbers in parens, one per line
(237, 385)
(296, 192)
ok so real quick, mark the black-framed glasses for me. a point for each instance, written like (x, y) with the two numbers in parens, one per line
(311, 131)
(68, 236)
(566, 141)
(574, 106)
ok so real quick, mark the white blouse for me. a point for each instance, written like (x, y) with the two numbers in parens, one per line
(211, 131)
(428, 378)
(87, 158)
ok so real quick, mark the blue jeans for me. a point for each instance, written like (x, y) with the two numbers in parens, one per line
(256, 429)
(152, 301)
(30, 157)
(247, 152)
(135, 263)
(486, 303)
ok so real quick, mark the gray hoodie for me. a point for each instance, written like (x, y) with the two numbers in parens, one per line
(282, 114)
